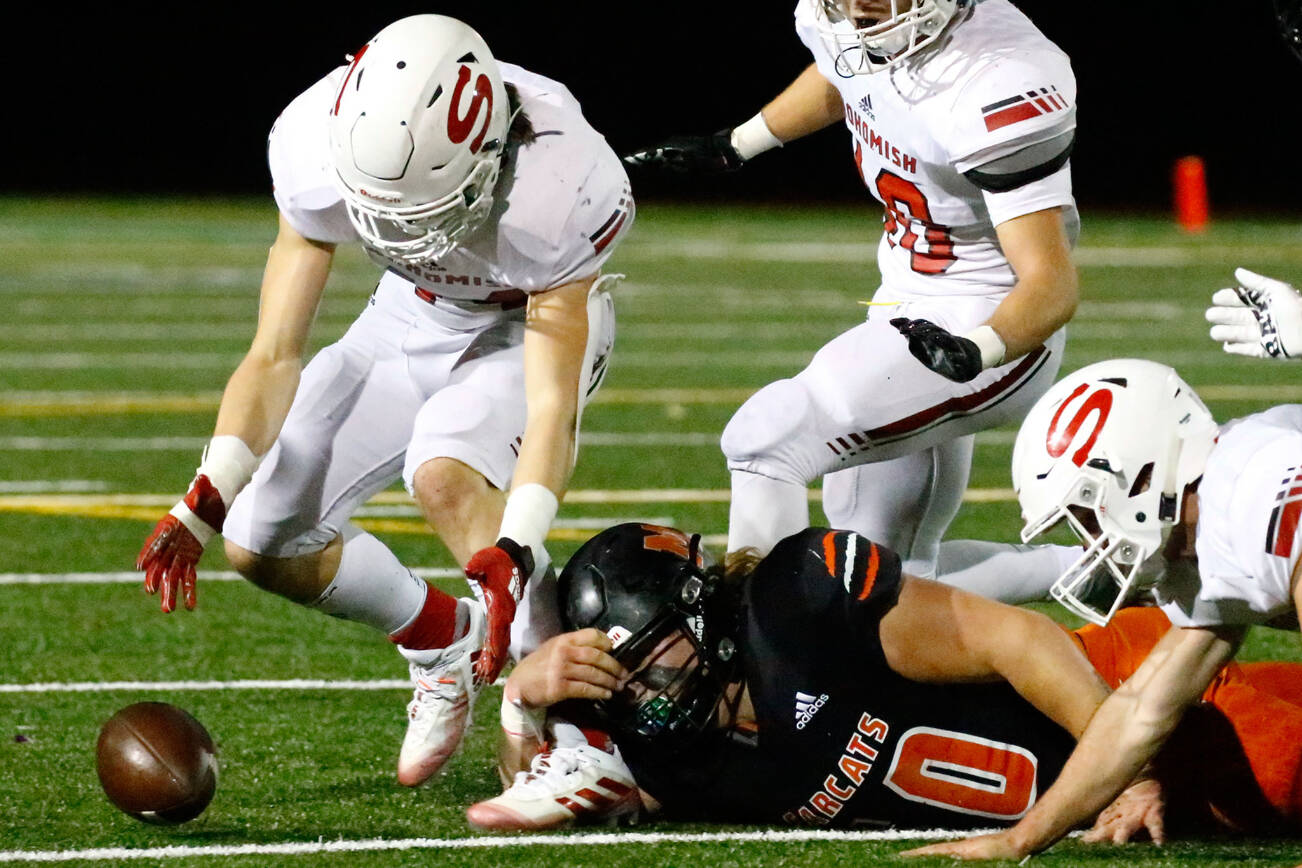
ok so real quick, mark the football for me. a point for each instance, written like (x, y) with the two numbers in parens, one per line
(156, 763)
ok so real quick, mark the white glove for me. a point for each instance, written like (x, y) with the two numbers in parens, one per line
(1260, 317)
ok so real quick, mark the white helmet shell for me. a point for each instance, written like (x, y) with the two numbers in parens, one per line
(1110, 449)
(867, 36)
(416, 135)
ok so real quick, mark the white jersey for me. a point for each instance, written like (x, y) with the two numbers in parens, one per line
(562, 201)
(993, 86)
(1249, 533)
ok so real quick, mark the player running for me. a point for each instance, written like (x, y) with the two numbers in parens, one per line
(962, 117)
(491, 205)
(821, 686)
(1161, 497)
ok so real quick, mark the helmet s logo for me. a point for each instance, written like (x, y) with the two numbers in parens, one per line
(460, 127)
(1059, 439)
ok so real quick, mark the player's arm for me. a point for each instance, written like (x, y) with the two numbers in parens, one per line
(575, 665)
(807, 105)
(555, 341)
(939, 634)
(1043, 300)
(1124, 734)
(253, 408)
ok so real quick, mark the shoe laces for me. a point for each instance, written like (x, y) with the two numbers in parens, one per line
(549, 770)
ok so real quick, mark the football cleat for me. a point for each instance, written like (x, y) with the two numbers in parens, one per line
(565, 785)
(439, 711)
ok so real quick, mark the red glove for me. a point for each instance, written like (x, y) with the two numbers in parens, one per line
(498, 573)
(172, 552)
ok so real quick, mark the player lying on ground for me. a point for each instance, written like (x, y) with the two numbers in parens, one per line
(1205, 517)
(822, 686)
(491, 205)
(961, 118)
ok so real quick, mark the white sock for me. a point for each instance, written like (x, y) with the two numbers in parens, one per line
(372, 587)
(1003, 571)
(764, 511)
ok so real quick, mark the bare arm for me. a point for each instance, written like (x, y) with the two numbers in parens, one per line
(556, 336)
(809, 104)
(1046, 293)
(259, 392)
(941, 634)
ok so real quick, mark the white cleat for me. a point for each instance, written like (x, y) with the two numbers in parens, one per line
(439, 712)
(565, 785)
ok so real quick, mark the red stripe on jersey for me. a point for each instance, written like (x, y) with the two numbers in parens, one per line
(604, 241)
(1011, 115)
(870, 574)
(1288, 520)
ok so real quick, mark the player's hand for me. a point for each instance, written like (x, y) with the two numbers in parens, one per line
(575, 665)
(696, 154)
(1140, 806)
(171, 554)
(498, 574)
(1260, 317)
(952, 356)
(997, 846)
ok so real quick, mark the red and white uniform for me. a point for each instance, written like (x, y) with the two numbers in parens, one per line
(433, 366)
(992, 94)
(993, 86)
(1249, 534)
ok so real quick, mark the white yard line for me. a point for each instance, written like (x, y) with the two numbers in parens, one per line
(195, 444)
(130, 577)
(248, 684)
(589, 839)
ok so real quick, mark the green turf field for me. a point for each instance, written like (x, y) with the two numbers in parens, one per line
(121, 321)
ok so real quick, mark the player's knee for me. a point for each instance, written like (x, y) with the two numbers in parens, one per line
(448, 491)
(765, 421)
(760, 435)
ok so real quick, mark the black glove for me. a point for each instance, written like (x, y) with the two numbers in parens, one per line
(699, 154)
(949, 355)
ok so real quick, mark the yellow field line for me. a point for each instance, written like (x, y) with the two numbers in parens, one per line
(149, 507)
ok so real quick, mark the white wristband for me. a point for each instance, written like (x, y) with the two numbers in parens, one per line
(530, 511)
(202, 531)
(228, 463)
(753, 137)
(522, 722)
(991, 345)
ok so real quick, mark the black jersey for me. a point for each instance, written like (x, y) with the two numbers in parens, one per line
(841, 738)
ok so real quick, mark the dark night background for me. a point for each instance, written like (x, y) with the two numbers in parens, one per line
(178, 100)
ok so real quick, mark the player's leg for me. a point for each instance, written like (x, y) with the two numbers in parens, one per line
(344, 440)
(905, 503)
(864, 399)
(1006, 572)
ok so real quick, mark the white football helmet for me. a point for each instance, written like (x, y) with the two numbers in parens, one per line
(417, 133)
(1110, 448)
(867, 36)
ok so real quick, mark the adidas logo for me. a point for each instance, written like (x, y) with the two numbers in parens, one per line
(806, 707)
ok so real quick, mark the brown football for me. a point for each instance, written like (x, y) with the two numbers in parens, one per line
(156, 763)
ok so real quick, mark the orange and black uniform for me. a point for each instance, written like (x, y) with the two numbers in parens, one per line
(843, 740)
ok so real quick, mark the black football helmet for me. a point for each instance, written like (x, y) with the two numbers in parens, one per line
(1288, 13)
(639, 583)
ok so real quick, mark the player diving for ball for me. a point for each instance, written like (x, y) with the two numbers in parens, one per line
(822, 686)
(491, 205)
(961, 118)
